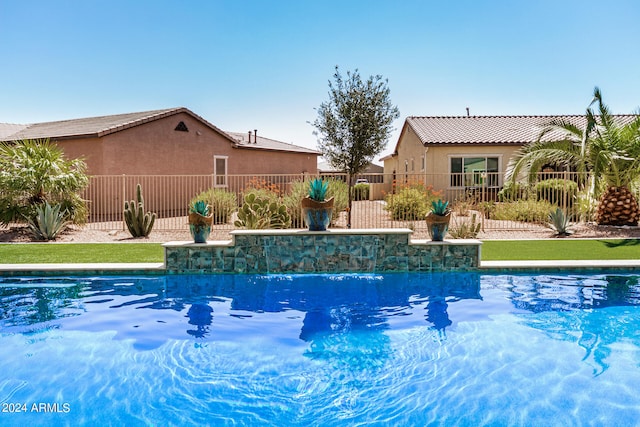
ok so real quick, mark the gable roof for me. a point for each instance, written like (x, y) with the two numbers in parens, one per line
(262, 143)
(104, 125)
(503, 130)
(96, 126)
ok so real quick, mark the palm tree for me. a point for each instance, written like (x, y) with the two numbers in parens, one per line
(33, 172)
(606, 150)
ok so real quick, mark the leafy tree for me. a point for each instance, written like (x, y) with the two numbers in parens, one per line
(35, 172)
(354, 124)
(606, 150)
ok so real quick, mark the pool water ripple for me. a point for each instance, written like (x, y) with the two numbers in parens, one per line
(417, 349)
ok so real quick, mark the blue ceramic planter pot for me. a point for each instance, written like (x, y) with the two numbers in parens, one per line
(438, 226)
(200, 232)
(317, 215)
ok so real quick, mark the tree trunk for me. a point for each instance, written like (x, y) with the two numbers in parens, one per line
(617, 206)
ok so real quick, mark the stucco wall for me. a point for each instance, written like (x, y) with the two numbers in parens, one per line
(410, 150)
(155, 148)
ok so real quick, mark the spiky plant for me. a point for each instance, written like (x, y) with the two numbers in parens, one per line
(440, 208)
(138, 222)
(48, 222)
(318, 189)
(606, 149)
(560, 222)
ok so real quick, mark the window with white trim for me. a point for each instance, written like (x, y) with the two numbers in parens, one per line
(220, 171)
(474, 172)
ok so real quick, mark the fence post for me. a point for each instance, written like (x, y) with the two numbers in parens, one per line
(124, 197)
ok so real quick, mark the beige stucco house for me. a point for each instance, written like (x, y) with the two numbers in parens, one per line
(458, 153)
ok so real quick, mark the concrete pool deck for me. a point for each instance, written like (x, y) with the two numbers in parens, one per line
(159, 268)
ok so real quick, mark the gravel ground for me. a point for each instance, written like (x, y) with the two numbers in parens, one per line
(84, 235)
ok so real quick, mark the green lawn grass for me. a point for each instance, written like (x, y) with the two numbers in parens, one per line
(65, 253)
(492, 250)
(560, 249)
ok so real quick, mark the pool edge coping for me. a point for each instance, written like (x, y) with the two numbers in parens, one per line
(159, 267)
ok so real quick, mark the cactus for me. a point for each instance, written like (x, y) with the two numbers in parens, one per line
(138, 222)
(257, 213)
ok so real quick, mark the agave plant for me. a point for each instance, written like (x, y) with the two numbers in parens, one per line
(48, 223)
(318, 189)
(440, 208)
(560, 222)
(200, 207)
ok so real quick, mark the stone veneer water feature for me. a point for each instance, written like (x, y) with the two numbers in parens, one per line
(331, 251)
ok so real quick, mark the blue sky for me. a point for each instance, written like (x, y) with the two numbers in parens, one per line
(265, 65)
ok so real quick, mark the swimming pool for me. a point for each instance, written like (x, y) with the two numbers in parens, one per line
(395, 349)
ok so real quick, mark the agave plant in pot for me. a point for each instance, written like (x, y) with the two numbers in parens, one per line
(200, 219)
(438, 220)
(316, 210)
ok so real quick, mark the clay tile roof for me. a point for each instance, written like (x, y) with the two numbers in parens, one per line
(503, 130)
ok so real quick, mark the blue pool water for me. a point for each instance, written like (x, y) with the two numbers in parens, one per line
(397, 349)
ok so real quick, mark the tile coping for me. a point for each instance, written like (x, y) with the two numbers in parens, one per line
(158, 268)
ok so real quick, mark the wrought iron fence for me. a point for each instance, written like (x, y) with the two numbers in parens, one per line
(392, 201)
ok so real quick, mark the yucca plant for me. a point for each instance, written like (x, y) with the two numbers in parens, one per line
(48, 222)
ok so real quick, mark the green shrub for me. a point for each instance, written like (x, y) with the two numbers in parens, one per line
(361, 191)
(523, 210)
(223, 203)
(339, 190)
(408, 205)
(33, 172)
(513, 191)
(300, 189)
(557, 191)
(464, 229)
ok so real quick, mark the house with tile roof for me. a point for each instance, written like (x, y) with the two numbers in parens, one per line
(462, 152)
(172, 141)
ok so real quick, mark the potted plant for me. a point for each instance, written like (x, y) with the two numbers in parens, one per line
(438, 220)
(200, 218)
(316, 210)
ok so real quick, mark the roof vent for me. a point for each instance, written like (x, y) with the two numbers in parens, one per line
(182, 127)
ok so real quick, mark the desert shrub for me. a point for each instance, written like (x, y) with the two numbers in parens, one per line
(34, 172)
(360, 191)
(412, 202)
(557, 191)
(513, 191)
(300, 189)
(223, 203)
(523, 210)
(465, 229)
